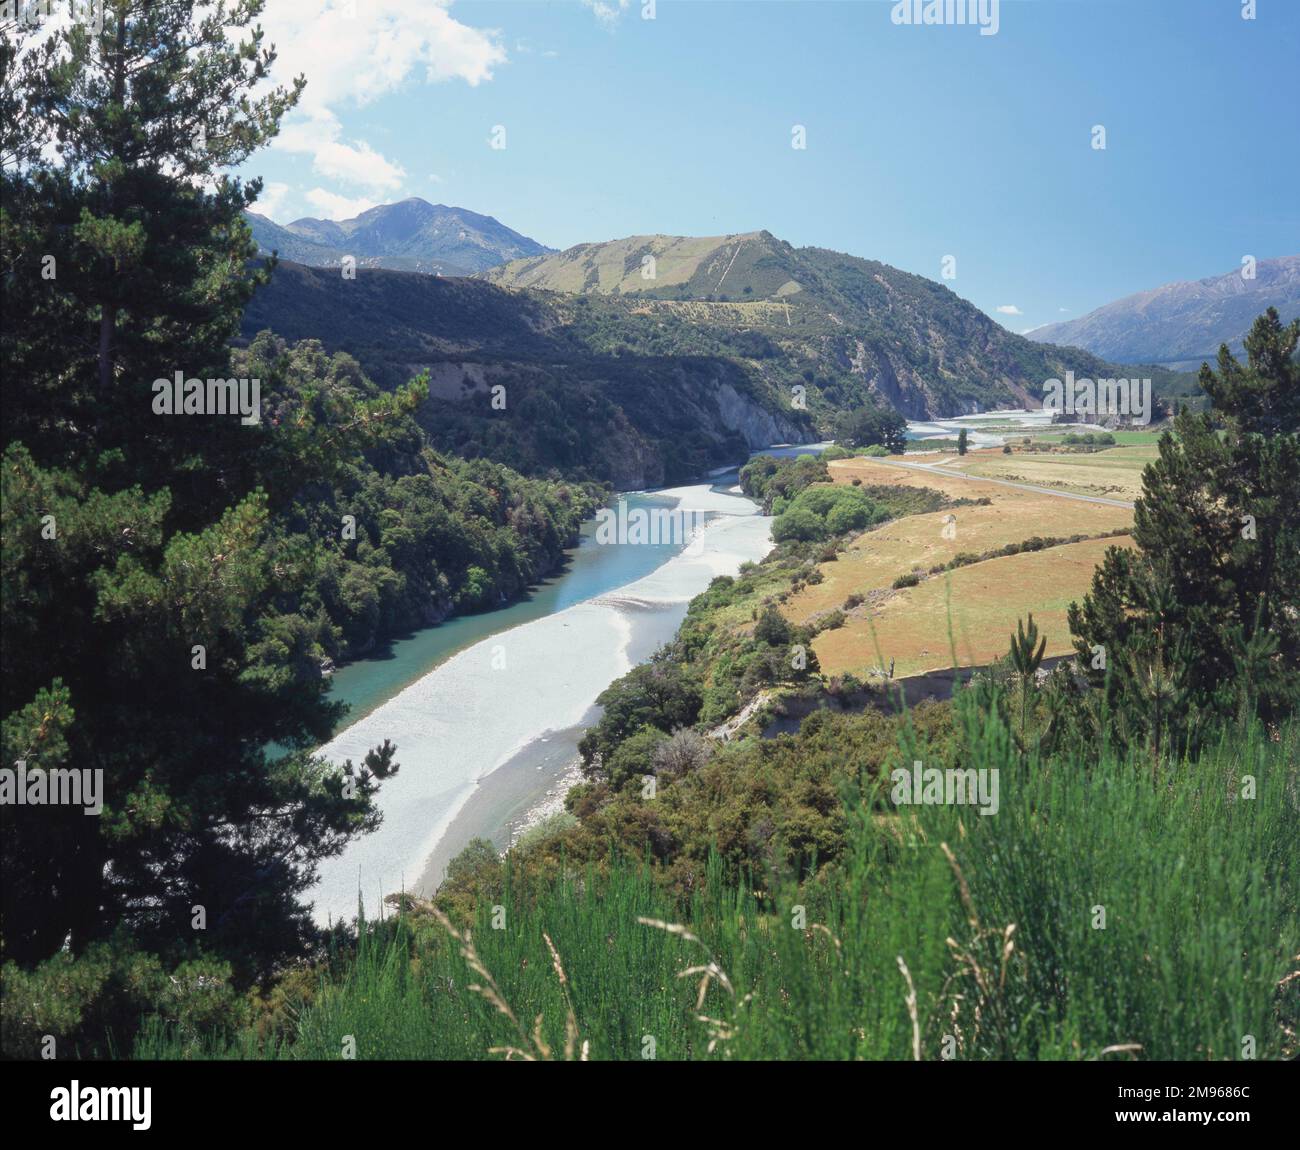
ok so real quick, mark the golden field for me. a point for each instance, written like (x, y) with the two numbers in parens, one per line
(911, 625)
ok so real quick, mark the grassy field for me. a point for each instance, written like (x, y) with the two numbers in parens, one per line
(1122, 438)
(911, 624)
(1115, 473)
(943, 935)
(875, 559)
(983, 601)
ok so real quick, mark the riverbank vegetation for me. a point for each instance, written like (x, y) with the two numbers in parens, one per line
(737, 875)
(1106, 911)
(176, 584)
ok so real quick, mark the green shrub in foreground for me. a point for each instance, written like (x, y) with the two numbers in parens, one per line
(1100, 907)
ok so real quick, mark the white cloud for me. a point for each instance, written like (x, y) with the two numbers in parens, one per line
(607, 11)
(1063, 310)
(271, 200)
(1008, 309)
(354, 52)
(336, 207)
(357, 59)
(353, 163)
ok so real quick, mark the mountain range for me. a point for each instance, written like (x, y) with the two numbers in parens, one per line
(1181, 325)
(650, 359)
(412, 235)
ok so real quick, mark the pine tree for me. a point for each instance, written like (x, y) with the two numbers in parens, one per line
(1026, 655)
(1216, 567)
(127, 259)
(144, 581)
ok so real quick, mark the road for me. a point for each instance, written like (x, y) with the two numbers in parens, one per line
(934, 470)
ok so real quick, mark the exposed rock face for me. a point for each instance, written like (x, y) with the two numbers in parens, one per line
(759, 426)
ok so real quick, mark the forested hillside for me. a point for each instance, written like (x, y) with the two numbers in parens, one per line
(658, 386)
(176, 580)
(550, 386)
(851, 330)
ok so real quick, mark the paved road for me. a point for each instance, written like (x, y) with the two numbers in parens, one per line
(932, 469)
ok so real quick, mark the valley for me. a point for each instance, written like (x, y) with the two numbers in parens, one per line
(712, 631)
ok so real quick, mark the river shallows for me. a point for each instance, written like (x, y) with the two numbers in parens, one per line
(527, 679)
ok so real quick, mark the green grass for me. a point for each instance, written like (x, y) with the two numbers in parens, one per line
(1198, 886)
(1122, 438)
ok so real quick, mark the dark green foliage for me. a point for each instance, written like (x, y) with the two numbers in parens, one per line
(870, 427)
(1025, 659)
(799, 525)
(173, 584)
(824, 512)
(92, 1004)
(767, 479)
(772, 628)
(1203, 619)
(592, 390)
(1088, 439)
(659, 695)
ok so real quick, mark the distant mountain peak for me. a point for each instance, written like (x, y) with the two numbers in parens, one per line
(1183, 323)
(410, 235)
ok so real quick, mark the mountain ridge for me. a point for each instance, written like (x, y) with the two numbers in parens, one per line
(1182, 323)
(409, 235)
(653, 385)
(913, 342)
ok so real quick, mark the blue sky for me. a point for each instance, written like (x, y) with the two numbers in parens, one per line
(922, 142)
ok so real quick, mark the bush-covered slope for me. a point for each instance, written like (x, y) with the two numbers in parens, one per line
(850, 329)
(656, 386)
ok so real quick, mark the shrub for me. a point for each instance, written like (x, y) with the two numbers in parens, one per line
(772, 629)
(799, 524)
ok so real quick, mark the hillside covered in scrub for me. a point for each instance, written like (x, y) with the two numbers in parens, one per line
(854, 328)
(640, 382)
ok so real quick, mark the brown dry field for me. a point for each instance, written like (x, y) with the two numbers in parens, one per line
(876, 558)
(912, 625)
